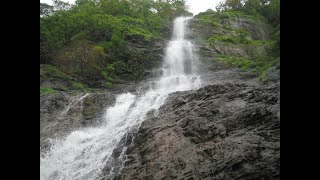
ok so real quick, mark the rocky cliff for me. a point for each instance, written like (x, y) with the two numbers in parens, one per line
(224, 131)
(234, 39)
(229, 129)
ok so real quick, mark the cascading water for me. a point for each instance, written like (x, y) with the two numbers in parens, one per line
(84, 153)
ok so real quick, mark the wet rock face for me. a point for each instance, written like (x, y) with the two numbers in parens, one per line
(60, 113)
(94, 106)
(51, 105)
(223, 131)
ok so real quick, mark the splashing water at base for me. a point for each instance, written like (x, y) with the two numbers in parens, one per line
(84, 153)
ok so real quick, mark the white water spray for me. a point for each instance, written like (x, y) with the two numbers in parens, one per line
(83, 154)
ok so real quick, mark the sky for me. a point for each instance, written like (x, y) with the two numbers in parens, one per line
(195, 6)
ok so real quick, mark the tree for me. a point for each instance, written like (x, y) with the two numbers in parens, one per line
(91, 34)
(143, 8)
(272, 12)
(220, 6)
(81, 58)
(60, 5)
(45, 9)
(234, 4)
(116, 7)
(253, 5)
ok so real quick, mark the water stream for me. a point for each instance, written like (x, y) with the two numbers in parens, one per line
(83, 154)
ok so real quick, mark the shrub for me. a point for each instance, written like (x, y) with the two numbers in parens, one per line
(79, 86)
(46, 90)
(108, 84)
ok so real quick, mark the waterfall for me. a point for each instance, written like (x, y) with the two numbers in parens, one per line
(83, 154)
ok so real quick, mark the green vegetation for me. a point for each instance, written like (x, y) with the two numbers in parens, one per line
(89, 42)
(46, 90)
(209, 17)
(266, 53)
(86, 39)
(259, 65)
(108, 84)
(240, 62)
(237, 39)
(78, 86)
(53, 71)
(233, 14)
(214, 17)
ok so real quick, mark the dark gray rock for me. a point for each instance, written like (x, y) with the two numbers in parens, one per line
(257, 29)
(61, 113)
(223, 131)
(274, 73)
(94, 106)
(143, 57)
(54, 83)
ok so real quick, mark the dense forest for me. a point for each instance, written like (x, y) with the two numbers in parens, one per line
(87, 40)
(86, 43)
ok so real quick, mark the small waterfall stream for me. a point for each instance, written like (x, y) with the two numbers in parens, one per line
(73, 102)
